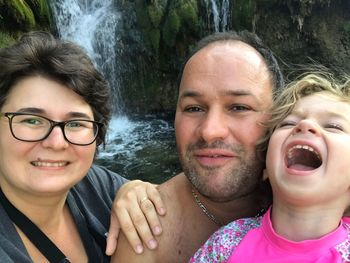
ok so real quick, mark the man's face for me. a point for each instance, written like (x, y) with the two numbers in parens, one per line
(224, 92)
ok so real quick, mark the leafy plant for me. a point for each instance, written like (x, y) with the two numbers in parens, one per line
(23, 12)
(29, 12)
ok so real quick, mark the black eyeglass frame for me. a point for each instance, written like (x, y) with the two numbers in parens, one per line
(53, 124)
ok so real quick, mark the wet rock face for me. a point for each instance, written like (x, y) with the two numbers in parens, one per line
(167, 29)
(155, 36)
(320, 31)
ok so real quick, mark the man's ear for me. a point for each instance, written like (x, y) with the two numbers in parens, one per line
(265, 175)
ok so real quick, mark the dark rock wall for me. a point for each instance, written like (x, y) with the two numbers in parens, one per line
(298, 31)
(156, 35)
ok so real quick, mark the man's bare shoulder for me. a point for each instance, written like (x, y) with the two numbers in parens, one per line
(184, 228)
(183, 225)
(171, 192)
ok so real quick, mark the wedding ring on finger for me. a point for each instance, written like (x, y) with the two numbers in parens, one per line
(143, 200)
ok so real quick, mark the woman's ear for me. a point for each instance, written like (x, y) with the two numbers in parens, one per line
(265, 175)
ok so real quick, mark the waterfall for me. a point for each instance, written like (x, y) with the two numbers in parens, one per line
(219, 12)
(93, 25)
(137, 147)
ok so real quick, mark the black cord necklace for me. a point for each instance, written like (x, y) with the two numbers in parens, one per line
(34, 234)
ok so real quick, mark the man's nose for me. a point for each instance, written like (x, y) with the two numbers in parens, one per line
(214, 126)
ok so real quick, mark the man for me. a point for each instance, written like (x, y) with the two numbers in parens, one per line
(226, 87)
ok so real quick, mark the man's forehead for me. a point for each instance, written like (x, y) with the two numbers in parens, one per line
(228, 46)
(228, 57)
(195, 92)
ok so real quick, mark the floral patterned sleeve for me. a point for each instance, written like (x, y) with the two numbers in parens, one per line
(219, 247)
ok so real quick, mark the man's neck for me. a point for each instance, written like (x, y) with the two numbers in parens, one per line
(225, 212)
(186, 226)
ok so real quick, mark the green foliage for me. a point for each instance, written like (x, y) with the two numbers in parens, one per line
(171, 28)
(162, 21)
(151, 34)
(28, 14)
(43, 10)
(23, 12)
(156, 12)
(188, 11)
(6, 39)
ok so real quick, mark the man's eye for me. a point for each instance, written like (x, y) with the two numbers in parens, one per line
(239, 108)
(193, 109)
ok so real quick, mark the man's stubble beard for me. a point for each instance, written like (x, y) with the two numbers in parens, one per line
(239, 179)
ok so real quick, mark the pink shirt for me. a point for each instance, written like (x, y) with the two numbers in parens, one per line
(254, 240)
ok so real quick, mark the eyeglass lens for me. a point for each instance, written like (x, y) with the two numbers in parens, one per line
(36, 128)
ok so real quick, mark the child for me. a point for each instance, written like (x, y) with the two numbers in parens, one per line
(307, 164)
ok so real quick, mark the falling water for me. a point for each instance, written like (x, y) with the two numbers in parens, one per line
(92, 24)
(141, 147)
(218, 14)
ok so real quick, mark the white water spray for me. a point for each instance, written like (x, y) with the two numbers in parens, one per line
(92, 25)
(219, 11)
(143, 146)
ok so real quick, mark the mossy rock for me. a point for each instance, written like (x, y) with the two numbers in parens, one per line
(242, 13)
(22, 12)
(171, 28)
(156, 12)
(25, 15)
(153, 37)
(188, 12)
(143, 19)
(6, 39)
(347, 27)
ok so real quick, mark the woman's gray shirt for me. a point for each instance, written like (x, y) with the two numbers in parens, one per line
(91, 199)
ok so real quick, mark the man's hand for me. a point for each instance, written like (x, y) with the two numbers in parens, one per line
(135, 210)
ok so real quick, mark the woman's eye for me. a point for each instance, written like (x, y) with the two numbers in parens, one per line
(74, 124)
(32, 121)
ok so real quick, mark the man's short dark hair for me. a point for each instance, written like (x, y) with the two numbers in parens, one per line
(250, 39)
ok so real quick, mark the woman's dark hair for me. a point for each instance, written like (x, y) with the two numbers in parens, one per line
(41, 54)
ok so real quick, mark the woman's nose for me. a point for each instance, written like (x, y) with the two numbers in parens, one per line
(56, 139)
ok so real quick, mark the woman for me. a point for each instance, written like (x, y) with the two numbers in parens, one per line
(55, 107)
